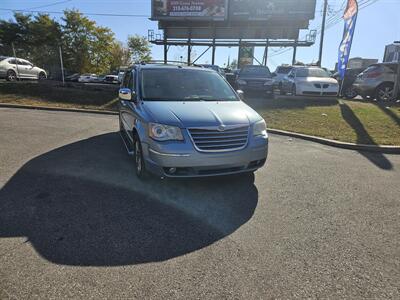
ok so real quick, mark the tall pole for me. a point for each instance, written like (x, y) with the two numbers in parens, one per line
(294, 52)
(62, 66)
(165, 49)
(321, 43)
(15, 58)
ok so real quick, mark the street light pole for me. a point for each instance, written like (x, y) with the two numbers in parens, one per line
(321, 43)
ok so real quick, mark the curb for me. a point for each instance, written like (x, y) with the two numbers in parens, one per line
(333, 143)
(338, 144)
(81, 110)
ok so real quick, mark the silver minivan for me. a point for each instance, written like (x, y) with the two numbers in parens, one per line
(13, 68)
(188, 122)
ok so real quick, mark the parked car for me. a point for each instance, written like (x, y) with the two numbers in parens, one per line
(215, 68)
(87, 78)
(377, 81)
(111, 79)
(347, 90)
(310, 81)
(188, 122)
(279, 75)
(73, 77)
(12, 68)
(255, 79)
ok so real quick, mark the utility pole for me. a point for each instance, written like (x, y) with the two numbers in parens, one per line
(15, 58)
(62, 65)
(321, 44)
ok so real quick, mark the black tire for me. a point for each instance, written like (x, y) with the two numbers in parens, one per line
(42, 76)
(350, 93)
(140, 167)
(11, 75)
(385, 92)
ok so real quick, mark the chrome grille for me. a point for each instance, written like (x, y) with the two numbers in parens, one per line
(214, 140)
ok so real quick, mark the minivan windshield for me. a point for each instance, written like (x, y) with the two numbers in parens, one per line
(255, 71)
(311, 72)
(168, 84)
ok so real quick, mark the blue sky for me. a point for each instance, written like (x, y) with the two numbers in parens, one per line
(378, 25)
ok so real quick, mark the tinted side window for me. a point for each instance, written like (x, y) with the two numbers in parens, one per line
(21, 62)
(12, 61)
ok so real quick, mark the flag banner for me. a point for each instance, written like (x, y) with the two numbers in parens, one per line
(350, 18)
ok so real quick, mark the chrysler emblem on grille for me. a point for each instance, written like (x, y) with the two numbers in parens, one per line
(221, 128)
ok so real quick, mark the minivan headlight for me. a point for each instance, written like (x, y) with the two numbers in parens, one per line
(260, 128)
(160, 132)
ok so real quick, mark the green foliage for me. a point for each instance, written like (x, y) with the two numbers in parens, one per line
(86, 46)
(140, 48)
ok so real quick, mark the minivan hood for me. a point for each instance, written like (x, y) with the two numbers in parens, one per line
(200, 113)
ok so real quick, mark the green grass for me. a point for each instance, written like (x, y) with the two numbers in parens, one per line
(353, 121)
(51, 94)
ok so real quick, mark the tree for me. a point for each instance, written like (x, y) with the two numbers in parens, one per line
(140, 48)
(86, 46)
(120, 56)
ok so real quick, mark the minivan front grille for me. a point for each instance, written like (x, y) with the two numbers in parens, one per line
(217, 140)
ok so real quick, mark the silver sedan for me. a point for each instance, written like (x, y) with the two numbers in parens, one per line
(12, 68)
(310, 81)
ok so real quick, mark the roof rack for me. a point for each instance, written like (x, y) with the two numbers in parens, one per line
(169, 62)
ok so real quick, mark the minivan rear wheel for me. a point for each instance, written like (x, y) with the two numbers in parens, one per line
(11, 75)
(385, 92)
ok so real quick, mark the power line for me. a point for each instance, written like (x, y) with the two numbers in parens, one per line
(84, 13)
(51, 4)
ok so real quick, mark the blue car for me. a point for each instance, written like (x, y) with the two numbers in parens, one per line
(188, 122)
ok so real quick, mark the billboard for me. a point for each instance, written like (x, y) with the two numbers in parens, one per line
(215, 10)
(262, 10)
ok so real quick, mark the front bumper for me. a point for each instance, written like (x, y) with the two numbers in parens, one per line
(310, 89)
(268, 89)
(188, 162)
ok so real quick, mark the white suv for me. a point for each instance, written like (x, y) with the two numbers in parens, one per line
(12, 68)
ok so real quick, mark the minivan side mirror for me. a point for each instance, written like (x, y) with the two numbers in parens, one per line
(241, 94)
(127, 94)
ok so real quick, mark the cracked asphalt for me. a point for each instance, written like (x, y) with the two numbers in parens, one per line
(315, 222)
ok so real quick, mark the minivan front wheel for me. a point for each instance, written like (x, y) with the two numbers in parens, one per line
(140, 167)
(11, 75)
(385, 92)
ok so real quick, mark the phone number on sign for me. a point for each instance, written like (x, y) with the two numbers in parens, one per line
(187, 8)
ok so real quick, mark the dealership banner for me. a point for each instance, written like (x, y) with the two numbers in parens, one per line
(350, 18)
(203, 9)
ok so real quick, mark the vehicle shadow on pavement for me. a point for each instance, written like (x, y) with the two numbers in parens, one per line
(81, 204)
(363, 137)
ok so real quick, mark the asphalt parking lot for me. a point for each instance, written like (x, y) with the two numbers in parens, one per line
(315, 222)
